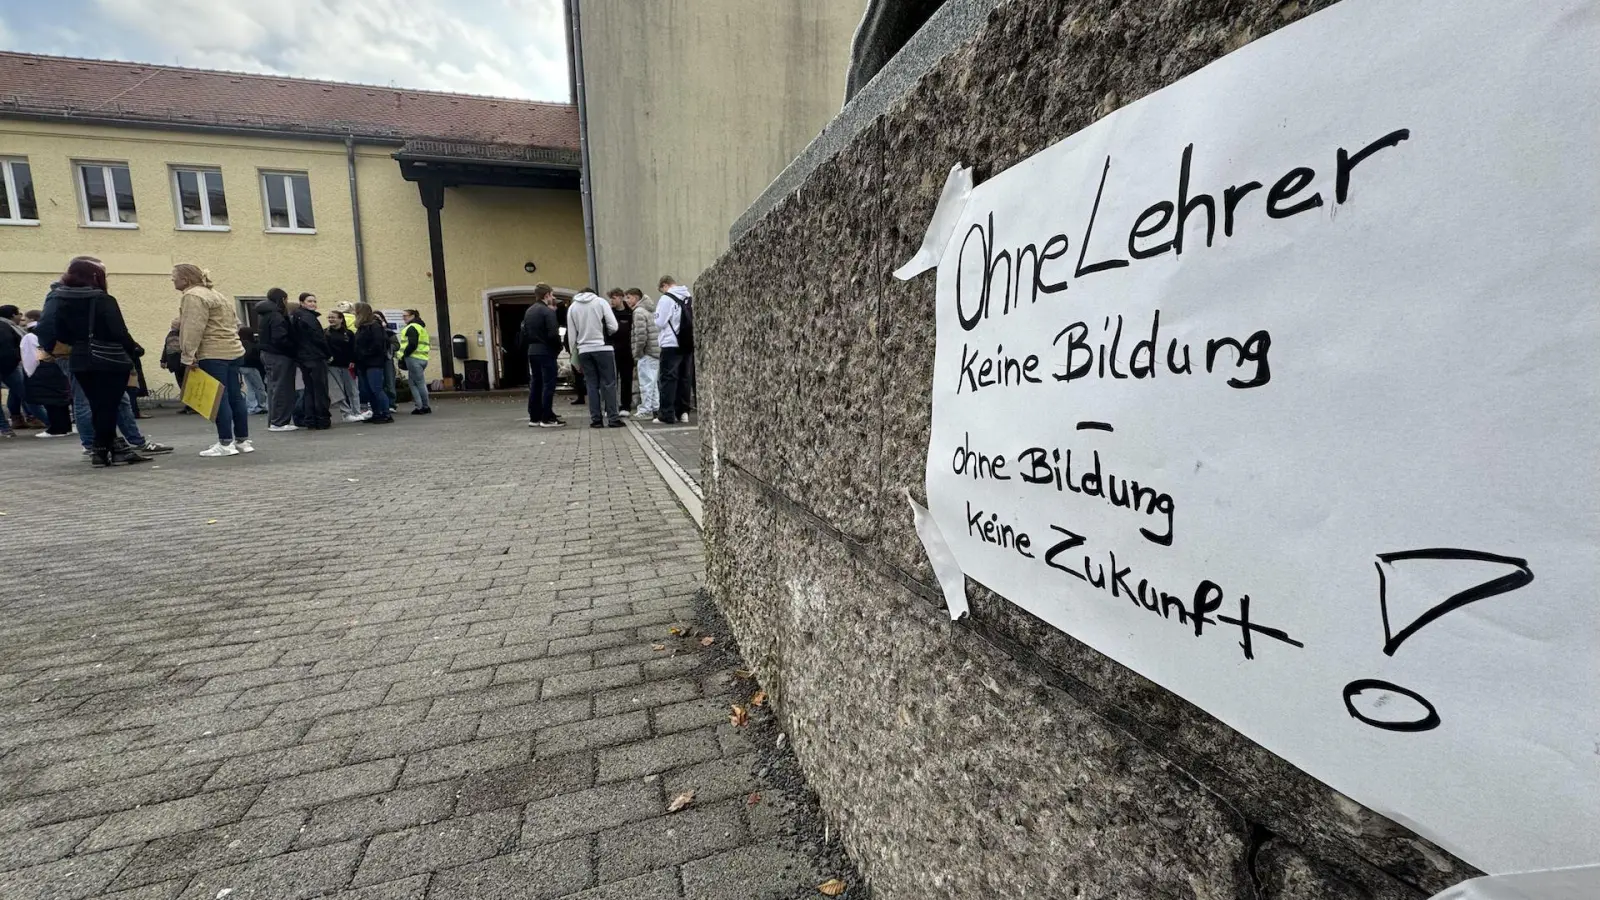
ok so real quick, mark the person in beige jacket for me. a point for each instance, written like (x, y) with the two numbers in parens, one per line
(208, 338)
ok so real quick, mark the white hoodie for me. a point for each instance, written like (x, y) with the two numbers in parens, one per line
(589, 322)
(669, 313)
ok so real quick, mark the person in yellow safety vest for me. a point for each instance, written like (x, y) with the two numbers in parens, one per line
(414, 359)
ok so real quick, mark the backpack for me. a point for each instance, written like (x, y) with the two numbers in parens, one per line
(685, 330)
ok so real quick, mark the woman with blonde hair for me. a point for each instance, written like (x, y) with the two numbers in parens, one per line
(208, 337)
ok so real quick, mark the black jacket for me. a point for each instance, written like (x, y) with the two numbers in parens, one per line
(48, 386)
(621, 340)
(311, 342)
(371, 347)
(540, 333)
(273, 334)
(73, 325)
(252, 350)
(341, 347)
(10, 348)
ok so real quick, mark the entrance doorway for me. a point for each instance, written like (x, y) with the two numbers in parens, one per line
(512, 363)
(504, 309)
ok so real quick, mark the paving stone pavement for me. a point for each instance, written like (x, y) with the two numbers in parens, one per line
(425, 660)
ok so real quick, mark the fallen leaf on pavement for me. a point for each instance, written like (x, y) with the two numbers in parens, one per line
(680, 801)
(658, 646)
(752, 800)
(739, 718)
(707, 641)
(211, 521)
(352, 480)
(759, 699)
(675, 631)
(833, 887)
(745, 674)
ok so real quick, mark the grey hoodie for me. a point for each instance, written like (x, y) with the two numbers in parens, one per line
(589, 322)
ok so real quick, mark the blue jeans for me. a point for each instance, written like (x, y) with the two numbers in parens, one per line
(255, 390)
(85, 420)
(17, 403)
(233, 416)
(372, 389)
(417, 376)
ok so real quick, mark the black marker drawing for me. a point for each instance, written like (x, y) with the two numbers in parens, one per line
(1520, 576)
(1095, 426)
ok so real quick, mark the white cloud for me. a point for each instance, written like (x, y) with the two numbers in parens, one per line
(512, 48)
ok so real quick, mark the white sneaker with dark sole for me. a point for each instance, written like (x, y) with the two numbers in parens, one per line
(220, 449)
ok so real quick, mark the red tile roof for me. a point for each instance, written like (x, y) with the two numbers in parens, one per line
(60, 87)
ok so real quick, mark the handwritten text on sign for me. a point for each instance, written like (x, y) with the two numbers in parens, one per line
(1279, 387)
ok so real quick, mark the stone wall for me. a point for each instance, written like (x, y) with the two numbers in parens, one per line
(996, 757)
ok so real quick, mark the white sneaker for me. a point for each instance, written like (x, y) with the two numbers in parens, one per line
(244, 446)
(46, 434)
(220, 449)
(683, 419)
(354, 419)
(366, 414)
(623, 414)
(283, 427)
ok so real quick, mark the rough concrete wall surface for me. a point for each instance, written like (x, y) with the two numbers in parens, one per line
(997, 757)
(694, 106)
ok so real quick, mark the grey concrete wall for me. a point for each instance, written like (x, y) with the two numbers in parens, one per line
(997, 757)
(694, 106)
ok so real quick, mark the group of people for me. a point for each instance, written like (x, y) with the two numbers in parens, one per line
(74, 364)
(610, 341)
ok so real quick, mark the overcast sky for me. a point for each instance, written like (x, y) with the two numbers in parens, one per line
(510, 48)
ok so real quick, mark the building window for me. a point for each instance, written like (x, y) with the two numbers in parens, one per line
(17, 206)
(202, 203)
(288, 202)
(105, 195)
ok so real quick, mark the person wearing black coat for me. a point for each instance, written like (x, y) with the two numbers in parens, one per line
(312, 354)
(341, 353)
(541, 336)
(87, 319)
(371, 354)
(276, 341)
(622, 349)
(251, 371)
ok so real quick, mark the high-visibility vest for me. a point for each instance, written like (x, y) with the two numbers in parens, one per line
(422, 341)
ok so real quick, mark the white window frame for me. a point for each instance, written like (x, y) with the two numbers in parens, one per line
(288, 196)
(115, 214)
(205, 199)
(12, 214)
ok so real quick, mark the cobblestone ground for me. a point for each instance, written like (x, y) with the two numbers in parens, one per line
(426, 660)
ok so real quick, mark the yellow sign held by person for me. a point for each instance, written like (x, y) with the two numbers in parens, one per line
(202, 393)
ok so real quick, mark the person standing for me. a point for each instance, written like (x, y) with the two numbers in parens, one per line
(311, 354)
(590, 323)
(47, 385)
(414, 350)
(87, 319)
(392, 360)
(674, 320)
(646, 351)
(371, 355)
(622, 349)
(208, 339)
(342, 392)
(11, 374)
(542, 337)
(276, 341)
(255, 389)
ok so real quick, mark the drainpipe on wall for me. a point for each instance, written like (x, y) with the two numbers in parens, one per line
(355, 218)
(575, 43)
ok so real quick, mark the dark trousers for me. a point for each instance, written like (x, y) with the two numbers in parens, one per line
(541, 388)
(625, 376)
(279, 376)
(672, 404)
(59, 419)
(686, 386)
(372, 390)
(315, 375)
(104, 392)
(600, 371)
(233, 415)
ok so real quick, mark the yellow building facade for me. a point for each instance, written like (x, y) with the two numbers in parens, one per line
(497, 240)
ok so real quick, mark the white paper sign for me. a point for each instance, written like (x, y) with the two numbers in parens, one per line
(1281, 387)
